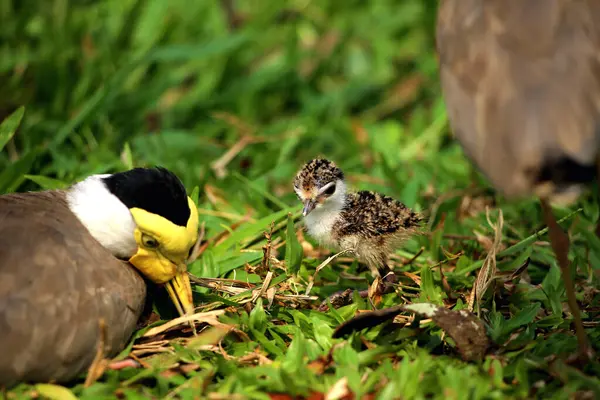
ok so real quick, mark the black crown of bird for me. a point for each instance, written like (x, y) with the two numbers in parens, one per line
(369, 224)
(156, 190)
(166, 227)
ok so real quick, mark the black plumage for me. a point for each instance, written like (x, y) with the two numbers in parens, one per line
(156, 190)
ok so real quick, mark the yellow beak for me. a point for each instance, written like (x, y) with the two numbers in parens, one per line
(180, 291)
(165, 262)
(161, 270)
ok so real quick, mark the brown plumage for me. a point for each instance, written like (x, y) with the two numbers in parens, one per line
(370, 224)
(62, 268)
(521, 81)
(316, 173)
(374, 225)
(49, 325)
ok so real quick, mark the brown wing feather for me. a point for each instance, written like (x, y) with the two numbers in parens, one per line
(56, 281)
(521, 80)
(371, 214)
(374, 225)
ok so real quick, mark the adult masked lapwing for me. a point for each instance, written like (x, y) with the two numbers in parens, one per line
(521, 81)
(69, 258)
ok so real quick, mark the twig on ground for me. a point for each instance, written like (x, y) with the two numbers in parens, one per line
(99, 363)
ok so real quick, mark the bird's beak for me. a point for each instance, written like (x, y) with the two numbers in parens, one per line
(309, 205)
(166, 265)
(160, 270)
(180, 291)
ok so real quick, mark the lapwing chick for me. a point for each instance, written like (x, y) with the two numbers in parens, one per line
(368, 224)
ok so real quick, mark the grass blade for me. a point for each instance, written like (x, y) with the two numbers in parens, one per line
(9, 126)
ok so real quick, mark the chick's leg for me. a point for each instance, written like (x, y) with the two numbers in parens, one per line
(387, 279)
(344, 297)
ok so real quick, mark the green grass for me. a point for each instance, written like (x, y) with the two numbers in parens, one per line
(107, 85)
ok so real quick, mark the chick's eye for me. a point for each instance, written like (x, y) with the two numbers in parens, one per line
(330, 190)
(149, 242)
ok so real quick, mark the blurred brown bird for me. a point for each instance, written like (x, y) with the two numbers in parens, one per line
(521, 81)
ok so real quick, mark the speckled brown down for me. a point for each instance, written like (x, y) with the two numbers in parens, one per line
(375, 225)
(369, 224)
(317, 173)
(56, 282)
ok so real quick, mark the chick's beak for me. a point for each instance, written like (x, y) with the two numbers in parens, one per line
(180, 291)
(309, 205)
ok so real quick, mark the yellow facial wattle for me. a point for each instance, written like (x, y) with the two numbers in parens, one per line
(174, 241)
(165, 261)
(154, 264)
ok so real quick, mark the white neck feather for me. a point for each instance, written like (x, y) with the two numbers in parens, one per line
(104, 215)
(319, 222)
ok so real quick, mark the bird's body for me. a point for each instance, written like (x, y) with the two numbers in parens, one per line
(521, 80)
(369, 224)
(41, 301)
(64, 268)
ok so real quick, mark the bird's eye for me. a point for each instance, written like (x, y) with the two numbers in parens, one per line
(149, 242)
(330, 190)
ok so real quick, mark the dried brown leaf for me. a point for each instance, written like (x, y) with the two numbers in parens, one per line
(208, 337)
(487, 273)
(467, 331)
(323, 265)
(99, 364)
(338, 390)
(209, 317)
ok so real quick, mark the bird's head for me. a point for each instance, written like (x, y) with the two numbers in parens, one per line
(145, 216)
(320, 186)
